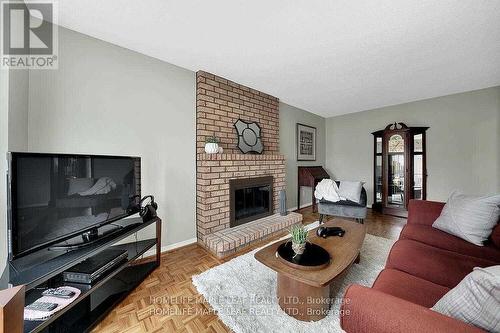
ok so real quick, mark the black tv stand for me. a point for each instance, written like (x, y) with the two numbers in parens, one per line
(43, 269)
(78, 242)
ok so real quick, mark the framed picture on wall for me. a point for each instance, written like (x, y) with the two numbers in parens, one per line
(306, 143)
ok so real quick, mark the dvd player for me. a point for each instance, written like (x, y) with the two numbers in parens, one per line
(95, 267)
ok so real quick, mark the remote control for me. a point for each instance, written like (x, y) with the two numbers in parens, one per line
(42, 306)
(59, 292)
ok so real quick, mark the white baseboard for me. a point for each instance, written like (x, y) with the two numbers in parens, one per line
(179, 244)
(171, 246)
(291, 209)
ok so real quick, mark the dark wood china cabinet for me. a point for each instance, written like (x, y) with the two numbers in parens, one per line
(399, 168)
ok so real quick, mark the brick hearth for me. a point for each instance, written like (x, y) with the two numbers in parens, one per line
(227, 241)
(219, 104)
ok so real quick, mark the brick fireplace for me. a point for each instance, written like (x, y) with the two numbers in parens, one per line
(219, 104)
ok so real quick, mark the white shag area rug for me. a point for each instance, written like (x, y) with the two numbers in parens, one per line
(243, 291)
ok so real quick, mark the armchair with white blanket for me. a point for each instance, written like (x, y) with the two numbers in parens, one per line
(341, 199)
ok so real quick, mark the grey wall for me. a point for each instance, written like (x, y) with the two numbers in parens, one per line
(289, 117)
(18, 109)
(104, 99)
(463, 150)
(4, 134)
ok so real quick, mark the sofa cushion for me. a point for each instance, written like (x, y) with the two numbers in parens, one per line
(430, 263)
(470, 218)
(475, 300)
(409, 287)
(437, 238)
(365, 310)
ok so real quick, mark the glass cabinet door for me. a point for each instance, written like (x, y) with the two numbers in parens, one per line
(378, 170)
(418, 167)
(399, 168)
(396, 170)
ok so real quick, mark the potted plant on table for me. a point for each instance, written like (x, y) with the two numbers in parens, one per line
(211, 145)
(299, 239)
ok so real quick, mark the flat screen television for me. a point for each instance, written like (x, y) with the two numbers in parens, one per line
(55, 197)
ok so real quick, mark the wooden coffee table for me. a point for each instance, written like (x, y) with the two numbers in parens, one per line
(305, 294)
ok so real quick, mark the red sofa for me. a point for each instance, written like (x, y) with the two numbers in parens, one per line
(422, 266)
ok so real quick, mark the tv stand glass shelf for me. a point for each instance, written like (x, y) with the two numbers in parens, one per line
(41, 271)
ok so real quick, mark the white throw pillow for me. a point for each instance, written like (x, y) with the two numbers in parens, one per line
(475, 300)
(350, 190)
(470, 218)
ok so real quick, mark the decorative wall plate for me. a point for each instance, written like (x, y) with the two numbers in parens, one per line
(248, 137)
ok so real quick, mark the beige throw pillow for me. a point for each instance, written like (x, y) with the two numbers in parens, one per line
(475, 300)
(468, 217)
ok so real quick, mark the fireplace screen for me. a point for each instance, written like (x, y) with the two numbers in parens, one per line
(251, 199)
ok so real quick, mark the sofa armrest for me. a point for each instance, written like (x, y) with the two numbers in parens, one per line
(423, 211)
(369, 310)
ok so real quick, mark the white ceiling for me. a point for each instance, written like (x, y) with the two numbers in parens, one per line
(329, 57)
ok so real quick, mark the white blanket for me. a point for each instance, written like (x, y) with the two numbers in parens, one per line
(328, 190)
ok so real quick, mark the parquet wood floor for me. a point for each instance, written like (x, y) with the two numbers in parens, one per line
(167, 301)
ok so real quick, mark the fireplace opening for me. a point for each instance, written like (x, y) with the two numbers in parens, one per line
(250, 199)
